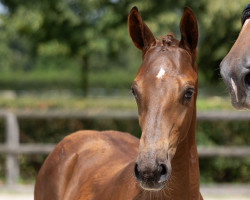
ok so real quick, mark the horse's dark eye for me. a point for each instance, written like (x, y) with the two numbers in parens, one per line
(134, 93)
(188, 94)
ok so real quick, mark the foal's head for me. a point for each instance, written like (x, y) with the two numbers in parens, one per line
(165, 89)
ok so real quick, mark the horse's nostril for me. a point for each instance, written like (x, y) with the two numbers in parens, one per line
(163, 170)
(136, 172)
(247, 81)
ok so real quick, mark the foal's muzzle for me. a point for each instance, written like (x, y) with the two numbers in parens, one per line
(151, 177)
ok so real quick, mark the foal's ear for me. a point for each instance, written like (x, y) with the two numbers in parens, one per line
(139, 32)
(189, 31)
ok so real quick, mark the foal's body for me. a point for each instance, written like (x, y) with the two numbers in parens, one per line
(73, 178)
(92, 165)
(113, 153)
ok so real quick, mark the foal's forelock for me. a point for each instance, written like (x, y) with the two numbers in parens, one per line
(168, 40)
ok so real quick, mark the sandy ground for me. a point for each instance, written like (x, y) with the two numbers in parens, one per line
(209, 192)
(226, 192)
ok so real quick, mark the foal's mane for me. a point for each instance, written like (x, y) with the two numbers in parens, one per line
(167, 40)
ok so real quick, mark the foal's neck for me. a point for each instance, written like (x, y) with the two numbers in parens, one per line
(185, 179)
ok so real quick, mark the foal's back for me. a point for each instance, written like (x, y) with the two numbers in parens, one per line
(86, 161)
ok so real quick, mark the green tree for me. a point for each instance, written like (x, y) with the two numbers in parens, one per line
(95, 32)
(66, 28)
(73, 28)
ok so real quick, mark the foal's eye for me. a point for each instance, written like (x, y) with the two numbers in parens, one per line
(134, 93)
(188, 94)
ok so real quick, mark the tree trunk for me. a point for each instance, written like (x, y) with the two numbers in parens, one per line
(84, 75)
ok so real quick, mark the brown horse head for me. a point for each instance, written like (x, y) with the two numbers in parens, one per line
(235, 67)
(165, 89)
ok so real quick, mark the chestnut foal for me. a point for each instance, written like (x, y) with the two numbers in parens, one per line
(109, 165)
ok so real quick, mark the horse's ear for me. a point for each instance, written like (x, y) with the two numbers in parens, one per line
(139, 32)
(189, 31)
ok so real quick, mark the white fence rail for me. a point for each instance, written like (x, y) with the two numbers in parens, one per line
(12, 146)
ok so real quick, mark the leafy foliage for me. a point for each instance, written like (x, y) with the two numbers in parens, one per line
(94, 34)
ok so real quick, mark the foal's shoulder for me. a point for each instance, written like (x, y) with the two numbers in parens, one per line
(88, 139)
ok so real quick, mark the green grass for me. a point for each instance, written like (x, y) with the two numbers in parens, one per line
(99, 103)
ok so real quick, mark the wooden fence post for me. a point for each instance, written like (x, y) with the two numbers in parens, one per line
(12, 143)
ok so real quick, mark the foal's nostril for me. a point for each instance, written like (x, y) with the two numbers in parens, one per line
(247, 81)
(136, 172)
(163, 170)
(150, 176)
